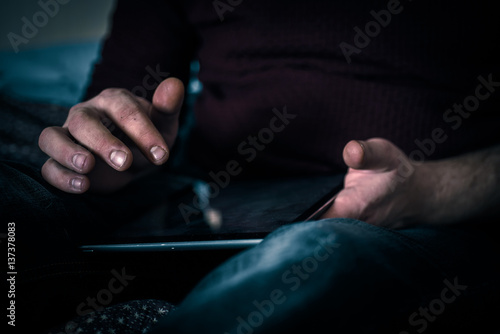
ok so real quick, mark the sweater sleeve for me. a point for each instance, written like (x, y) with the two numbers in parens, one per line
(149, 41)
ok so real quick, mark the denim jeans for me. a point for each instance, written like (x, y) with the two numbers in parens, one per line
(346, 276)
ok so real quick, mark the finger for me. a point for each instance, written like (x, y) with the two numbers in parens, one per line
(85, 126)
(167, 103)
(373, 154)
(129, 114)
(168, 97)
(63, 178)
(57, 144)
(344, 206)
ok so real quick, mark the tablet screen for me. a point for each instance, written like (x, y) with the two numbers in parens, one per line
(244, 210)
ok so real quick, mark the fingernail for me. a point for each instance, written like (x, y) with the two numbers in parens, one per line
(362, 144)
(79, 160)
(158, 152)
(77, 183)
(118, 158)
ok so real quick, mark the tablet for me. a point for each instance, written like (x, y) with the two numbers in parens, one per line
(239, 215)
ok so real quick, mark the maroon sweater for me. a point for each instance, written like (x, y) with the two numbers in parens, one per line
(344, 70)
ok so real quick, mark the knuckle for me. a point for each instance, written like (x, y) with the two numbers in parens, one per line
(42, 139)
(113, 92)
(128, 113)
(101, 145)
(121, 103)
(77, 108)
(44, 167)
(47, 170)
(46, 136)
(110, 96)
(78, 117)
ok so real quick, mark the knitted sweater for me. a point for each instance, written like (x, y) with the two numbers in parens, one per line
(286, 84)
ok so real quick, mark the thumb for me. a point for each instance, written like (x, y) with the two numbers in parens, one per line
(373, 154)
(168, 96)
(167, 103)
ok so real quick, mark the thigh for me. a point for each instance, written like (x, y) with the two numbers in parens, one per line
(346, 276)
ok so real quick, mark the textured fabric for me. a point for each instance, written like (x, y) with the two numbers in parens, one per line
(258, 55)
(22, 122)
(134, 317)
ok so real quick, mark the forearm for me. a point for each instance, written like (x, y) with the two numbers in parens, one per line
(460, 188)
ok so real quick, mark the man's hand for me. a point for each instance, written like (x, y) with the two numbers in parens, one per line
(373, 191)
(384, 187)
(105, 136)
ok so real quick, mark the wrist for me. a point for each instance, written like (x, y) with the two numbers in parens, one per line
(424, 186)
